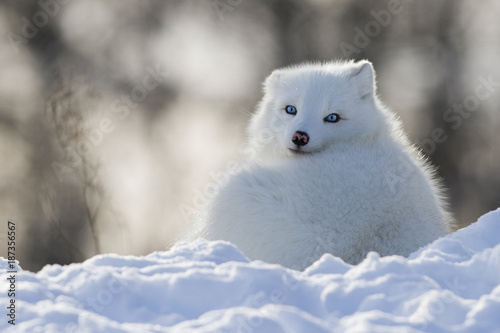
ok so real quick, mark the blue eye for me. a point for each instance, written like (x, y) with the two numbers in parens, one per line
(290, 109)
(332, 118)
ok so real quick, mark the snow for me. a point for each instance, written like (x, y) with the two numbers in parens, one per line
(452, 284)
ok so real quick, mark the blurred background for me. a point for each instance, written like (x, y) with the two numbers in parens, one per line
(116, 115)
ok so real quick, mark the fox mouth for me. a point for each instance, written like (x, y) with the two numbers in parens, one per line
(298, 151)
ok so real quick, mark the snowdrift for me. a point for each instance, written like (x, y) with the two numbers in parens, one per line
(451, 285)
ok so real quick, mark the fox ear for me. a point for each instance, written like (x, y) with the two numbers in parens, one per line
(364, 76)
(271, 81)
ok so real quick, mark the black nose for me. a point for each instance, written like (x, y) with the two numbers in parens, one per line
(300, 138)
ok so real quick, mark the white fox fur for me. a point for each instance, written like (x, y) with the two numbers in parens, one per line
(357, 185)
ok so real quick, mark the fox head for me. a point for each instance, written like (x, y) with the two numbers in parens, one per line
(310, 107)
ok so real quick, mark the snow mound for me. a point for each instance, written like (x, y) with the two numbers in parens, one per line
(452, 284)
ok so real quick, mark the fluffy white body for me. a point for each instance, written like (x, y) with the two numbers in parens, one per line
(331, 171)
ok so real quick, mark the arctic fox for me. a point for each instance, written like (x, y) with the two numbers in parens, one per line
(332, 171)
